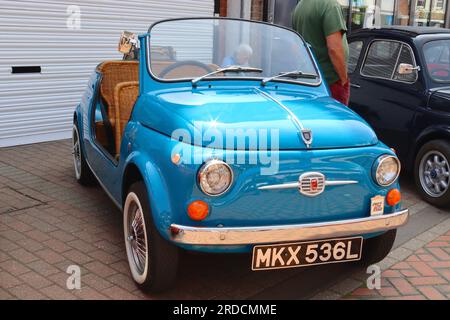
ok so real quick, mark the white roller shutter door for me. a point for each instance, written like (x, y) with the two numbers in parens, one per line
(38, 107)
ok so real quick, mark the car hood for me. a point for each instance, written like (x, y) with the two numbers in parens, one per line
(254, 118)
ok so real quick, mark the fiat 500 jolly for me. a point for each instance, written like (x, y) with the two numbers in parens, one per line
(220, 135)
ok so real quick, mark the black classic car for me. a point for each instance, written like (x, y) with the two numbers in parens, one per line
(400, 84)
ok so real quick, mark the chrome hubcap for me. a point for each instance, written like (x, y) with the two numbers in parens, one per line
(137, 238)
(434, 173)
(76, 151)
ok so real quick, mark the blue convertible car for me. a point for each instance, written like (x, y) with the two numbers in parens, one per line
(219, 135)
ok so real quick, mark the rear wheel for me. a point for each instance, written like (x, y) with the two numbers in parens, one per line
(432, 172)
(153, 260)
(377, 248)
(83, 173)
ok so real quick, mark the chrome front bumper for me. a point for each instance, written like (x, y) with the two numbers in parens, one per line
(285, 233)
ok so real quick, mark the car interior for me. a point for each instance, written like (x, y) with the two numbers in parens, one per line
(119, 89)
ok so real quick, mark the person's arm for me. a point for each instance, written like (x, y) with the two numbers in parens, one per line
(337, 55)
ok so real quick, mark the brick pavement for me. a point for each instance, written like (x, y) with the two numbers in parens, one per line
(425, 274)
(49, 222)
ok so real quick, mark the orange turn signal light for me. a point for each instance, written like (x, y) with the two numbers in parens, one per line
(393, 197)
(198, 210)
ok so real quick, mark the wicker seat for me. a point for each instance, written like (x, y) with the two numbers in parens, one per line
(125, 95)
(113, 73)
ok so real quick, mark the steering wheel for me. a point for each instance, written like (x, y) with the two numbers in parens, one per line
(180, 64)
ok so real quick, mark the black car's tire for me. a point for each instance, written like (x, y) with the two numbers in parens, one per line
(431, 172)
(153, 260)
(377, 248)
(83, 173)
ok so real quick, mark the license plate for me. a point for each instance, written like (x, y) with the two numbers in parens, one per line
(301, 254)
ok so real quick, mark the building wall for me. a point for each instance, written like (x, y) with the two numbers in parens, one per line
(64, 40)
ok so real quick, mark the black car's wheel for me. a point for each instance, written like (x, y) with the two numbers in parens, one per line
(432, 172)
(377, 248)
(83, 173)
(153, 260)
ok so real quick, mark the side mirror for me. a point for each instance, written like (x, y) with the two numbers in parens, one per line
(127, 42)
(406, 68)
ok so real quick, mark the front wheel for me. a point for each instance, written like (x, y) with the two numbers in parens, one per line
(377, 248)
(153, 260)
(432, 172)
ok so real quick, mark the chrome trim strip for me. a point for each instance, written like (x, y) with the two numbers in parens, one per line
(292, 185)
(285, 233)
(293, 117)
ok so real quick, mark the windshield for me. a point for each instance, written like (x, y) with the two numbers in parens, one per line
(191, 48)
(437, 58)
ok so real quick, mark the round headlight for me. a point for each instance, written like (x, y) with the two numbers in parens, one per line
(215, 177)
(387, 170)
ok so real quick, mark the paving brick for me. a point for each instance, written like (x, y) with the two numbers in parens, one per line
(427, 281)
(23, 256)
(49, 256)
(8, 281)
(97, 282)
(365, 292)
(388, 292)
(440, 254)
(100, 268)
(410, 273)
(423, 269)
(26, 292)
(77, 257)
(118, 293)
(14, 267)
(81, 245)
(43, 268)
(431, 293)
(87, 293)
(5, 295)
(401, 265)
(414, 297)
(104, 256)
(391, 273)
(57, 245)
(58, 293)
(35, 280)
(403, 286)
(37, 235)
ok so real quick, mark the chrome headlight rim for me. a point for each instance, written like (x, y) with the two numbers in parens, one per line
(377, 165)
(203, 169)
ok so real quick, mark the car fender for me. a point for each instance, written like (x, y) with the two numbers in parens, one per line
(155, 184)
(438, 131)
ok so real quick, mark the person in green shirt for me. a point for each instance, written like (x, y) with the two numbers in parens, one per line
(321, 24)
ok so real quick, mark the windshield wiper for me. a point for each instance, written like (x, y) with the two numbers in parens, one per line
(291, 74)
(226, 69)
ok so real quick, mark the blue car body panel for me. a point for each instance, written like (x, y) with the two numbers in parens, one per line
(344, 148)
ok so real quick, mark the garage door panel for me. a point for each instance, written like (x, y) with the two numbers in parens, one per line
(39, 107)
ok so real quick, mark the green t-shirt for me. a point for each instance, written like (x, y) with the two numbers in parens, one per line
(315, 20)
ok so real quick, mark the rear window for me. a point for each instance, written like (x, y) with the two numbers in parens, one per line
(384, 58)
